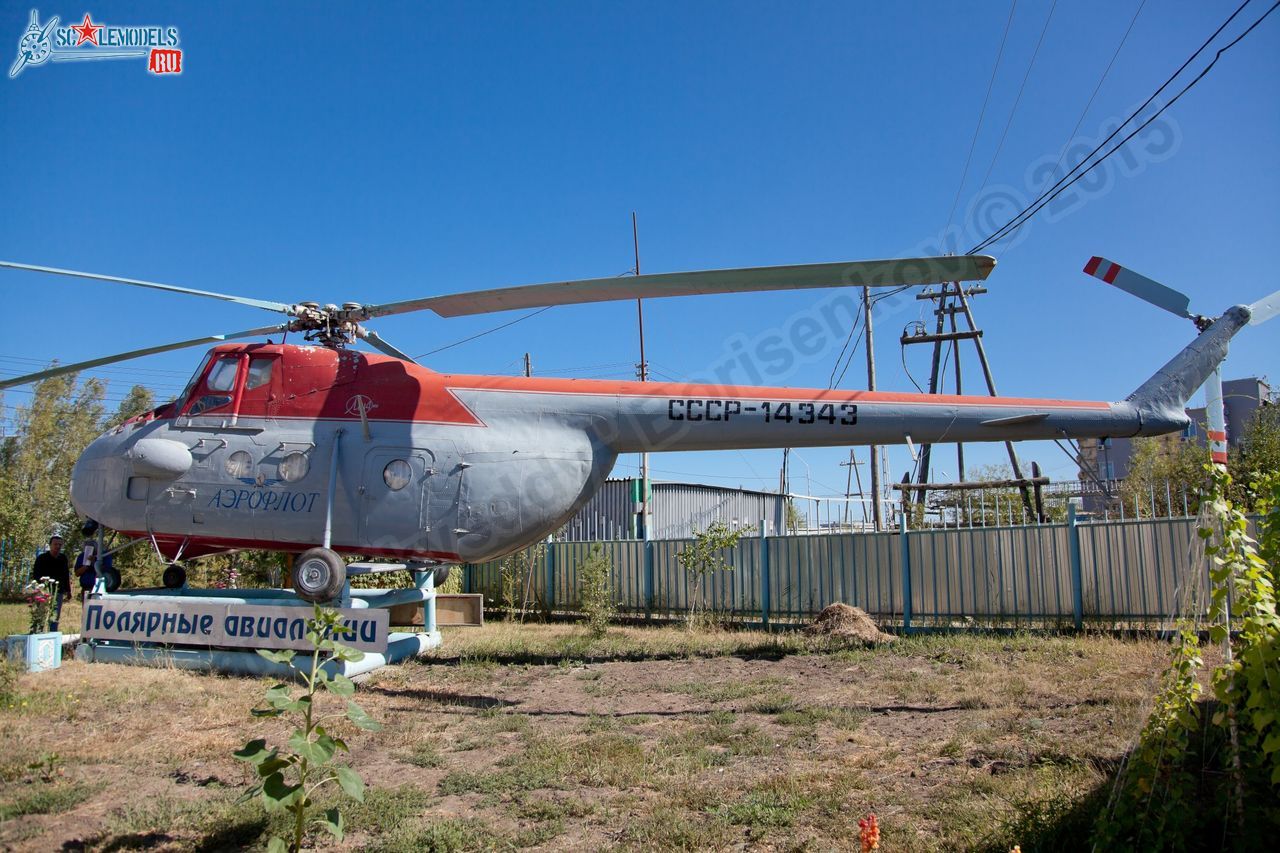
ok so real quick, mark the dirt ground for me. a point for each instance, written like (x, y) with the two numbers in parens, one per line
(537, 736)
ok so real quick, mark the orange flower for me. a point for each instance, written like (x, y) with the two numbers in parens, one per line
(869, 833)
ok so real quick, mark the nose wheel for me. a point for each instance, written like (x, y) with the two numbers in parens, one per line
(174, 577)
(110, 578)
(319, 575)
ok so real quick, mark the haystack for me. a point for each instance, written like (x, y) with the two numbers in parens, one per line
(842, 621)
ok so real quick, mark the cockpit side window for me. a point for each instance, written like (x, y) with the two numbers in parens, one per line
(223, 375)
(259, 373)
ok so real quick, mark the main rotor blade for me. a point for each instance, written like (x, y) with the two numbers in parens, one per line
(1264, 309)
(1140, 286)
(886, 273)
(376, 341)
(172, 288)
(138, 353)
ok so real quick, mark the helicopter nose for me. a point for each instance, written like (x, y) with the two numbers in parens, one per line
(90, 474)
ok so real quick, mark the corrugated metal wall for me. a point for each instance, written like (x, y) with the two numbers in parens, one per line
(679, 511)
(1126, 573)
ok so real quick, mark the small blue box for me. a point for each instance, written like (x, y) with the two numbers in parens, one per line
(37, 652)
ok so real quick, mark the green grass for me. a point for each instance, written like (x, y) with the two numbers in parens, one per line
(14, 619)
(44, 798)
(425, 754)
(223, 822)
(774, 702)
(511, 643)
(723, 691)
(807, 717)
(452, 835)
(612, 759)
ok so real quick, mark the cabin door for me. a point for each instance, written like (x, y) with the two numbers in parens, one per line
(394, 505)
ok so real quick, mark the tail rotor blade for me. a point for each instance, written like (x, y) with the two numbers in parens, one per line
(1264, 309)
(1140, 286)
(138, 353)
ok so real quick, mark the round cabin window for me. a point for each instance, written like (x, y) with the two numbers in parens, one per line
(294, 467)
(240, 464)
(397, 474)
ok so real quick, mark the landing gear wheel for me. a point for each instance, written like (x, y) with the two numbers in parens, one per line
(319, 575)
(441, 575)
(110, 579)
(174, 577)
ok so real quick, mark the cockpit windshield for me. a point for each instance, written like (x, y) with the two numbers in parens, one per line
(191, 385)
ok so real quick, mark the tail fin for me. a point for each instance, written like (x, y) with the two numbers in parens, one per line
(1165, 394)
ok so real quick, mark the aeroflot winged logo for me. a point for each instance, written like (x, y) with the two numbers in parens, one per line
(41, 43)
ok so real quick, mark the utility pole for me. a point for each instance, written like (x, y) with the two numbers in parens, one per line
(959, 393)
(528, 365)
(852, 465)
(642, 372)
(871, 386)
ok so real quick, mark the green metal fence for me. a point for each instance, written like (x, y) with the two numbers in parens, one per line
(15, 569)
(1130, 574)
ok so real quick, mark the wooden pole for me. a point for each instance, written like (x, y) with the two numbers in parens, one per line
(876, 520)
(643, 373)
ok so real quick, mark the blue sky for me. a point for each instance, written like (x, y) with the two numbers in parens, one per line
(330, 152)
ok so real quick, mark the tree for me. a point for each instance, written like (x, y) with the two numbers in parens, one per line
(49, 435)
(701, 559)
(1161, 471)
(1255, 456)
(138, 400)
(796, 519)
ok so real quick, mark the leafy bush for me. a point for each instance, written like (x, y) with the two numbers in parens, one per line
(595, 574)
(290, 777)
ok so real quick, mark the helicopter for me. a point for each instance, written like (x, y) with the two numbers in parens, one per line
(320, 450)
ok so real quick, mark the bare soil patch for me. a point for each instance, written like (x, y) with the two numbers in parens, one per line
(535, 736)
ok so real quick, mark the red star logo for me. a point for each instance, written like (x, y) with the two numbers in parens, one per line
(88, 31)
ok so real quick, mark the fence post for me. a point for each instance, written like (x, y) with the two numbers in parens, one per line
(549, 557)
(648, 580)
(906, 574)
(1077, 585)
(765, 591)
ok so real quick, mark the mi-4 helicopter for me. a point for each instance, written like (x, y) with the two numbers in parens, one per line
(321, 450)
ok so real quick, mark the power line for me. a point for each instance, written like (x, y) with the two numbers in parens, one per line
(1063, 183)
(1017, 100)
(1072, 135)
(831, 380)
(848, 361)
(982, 113)
(482, 334)
(902, 350)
